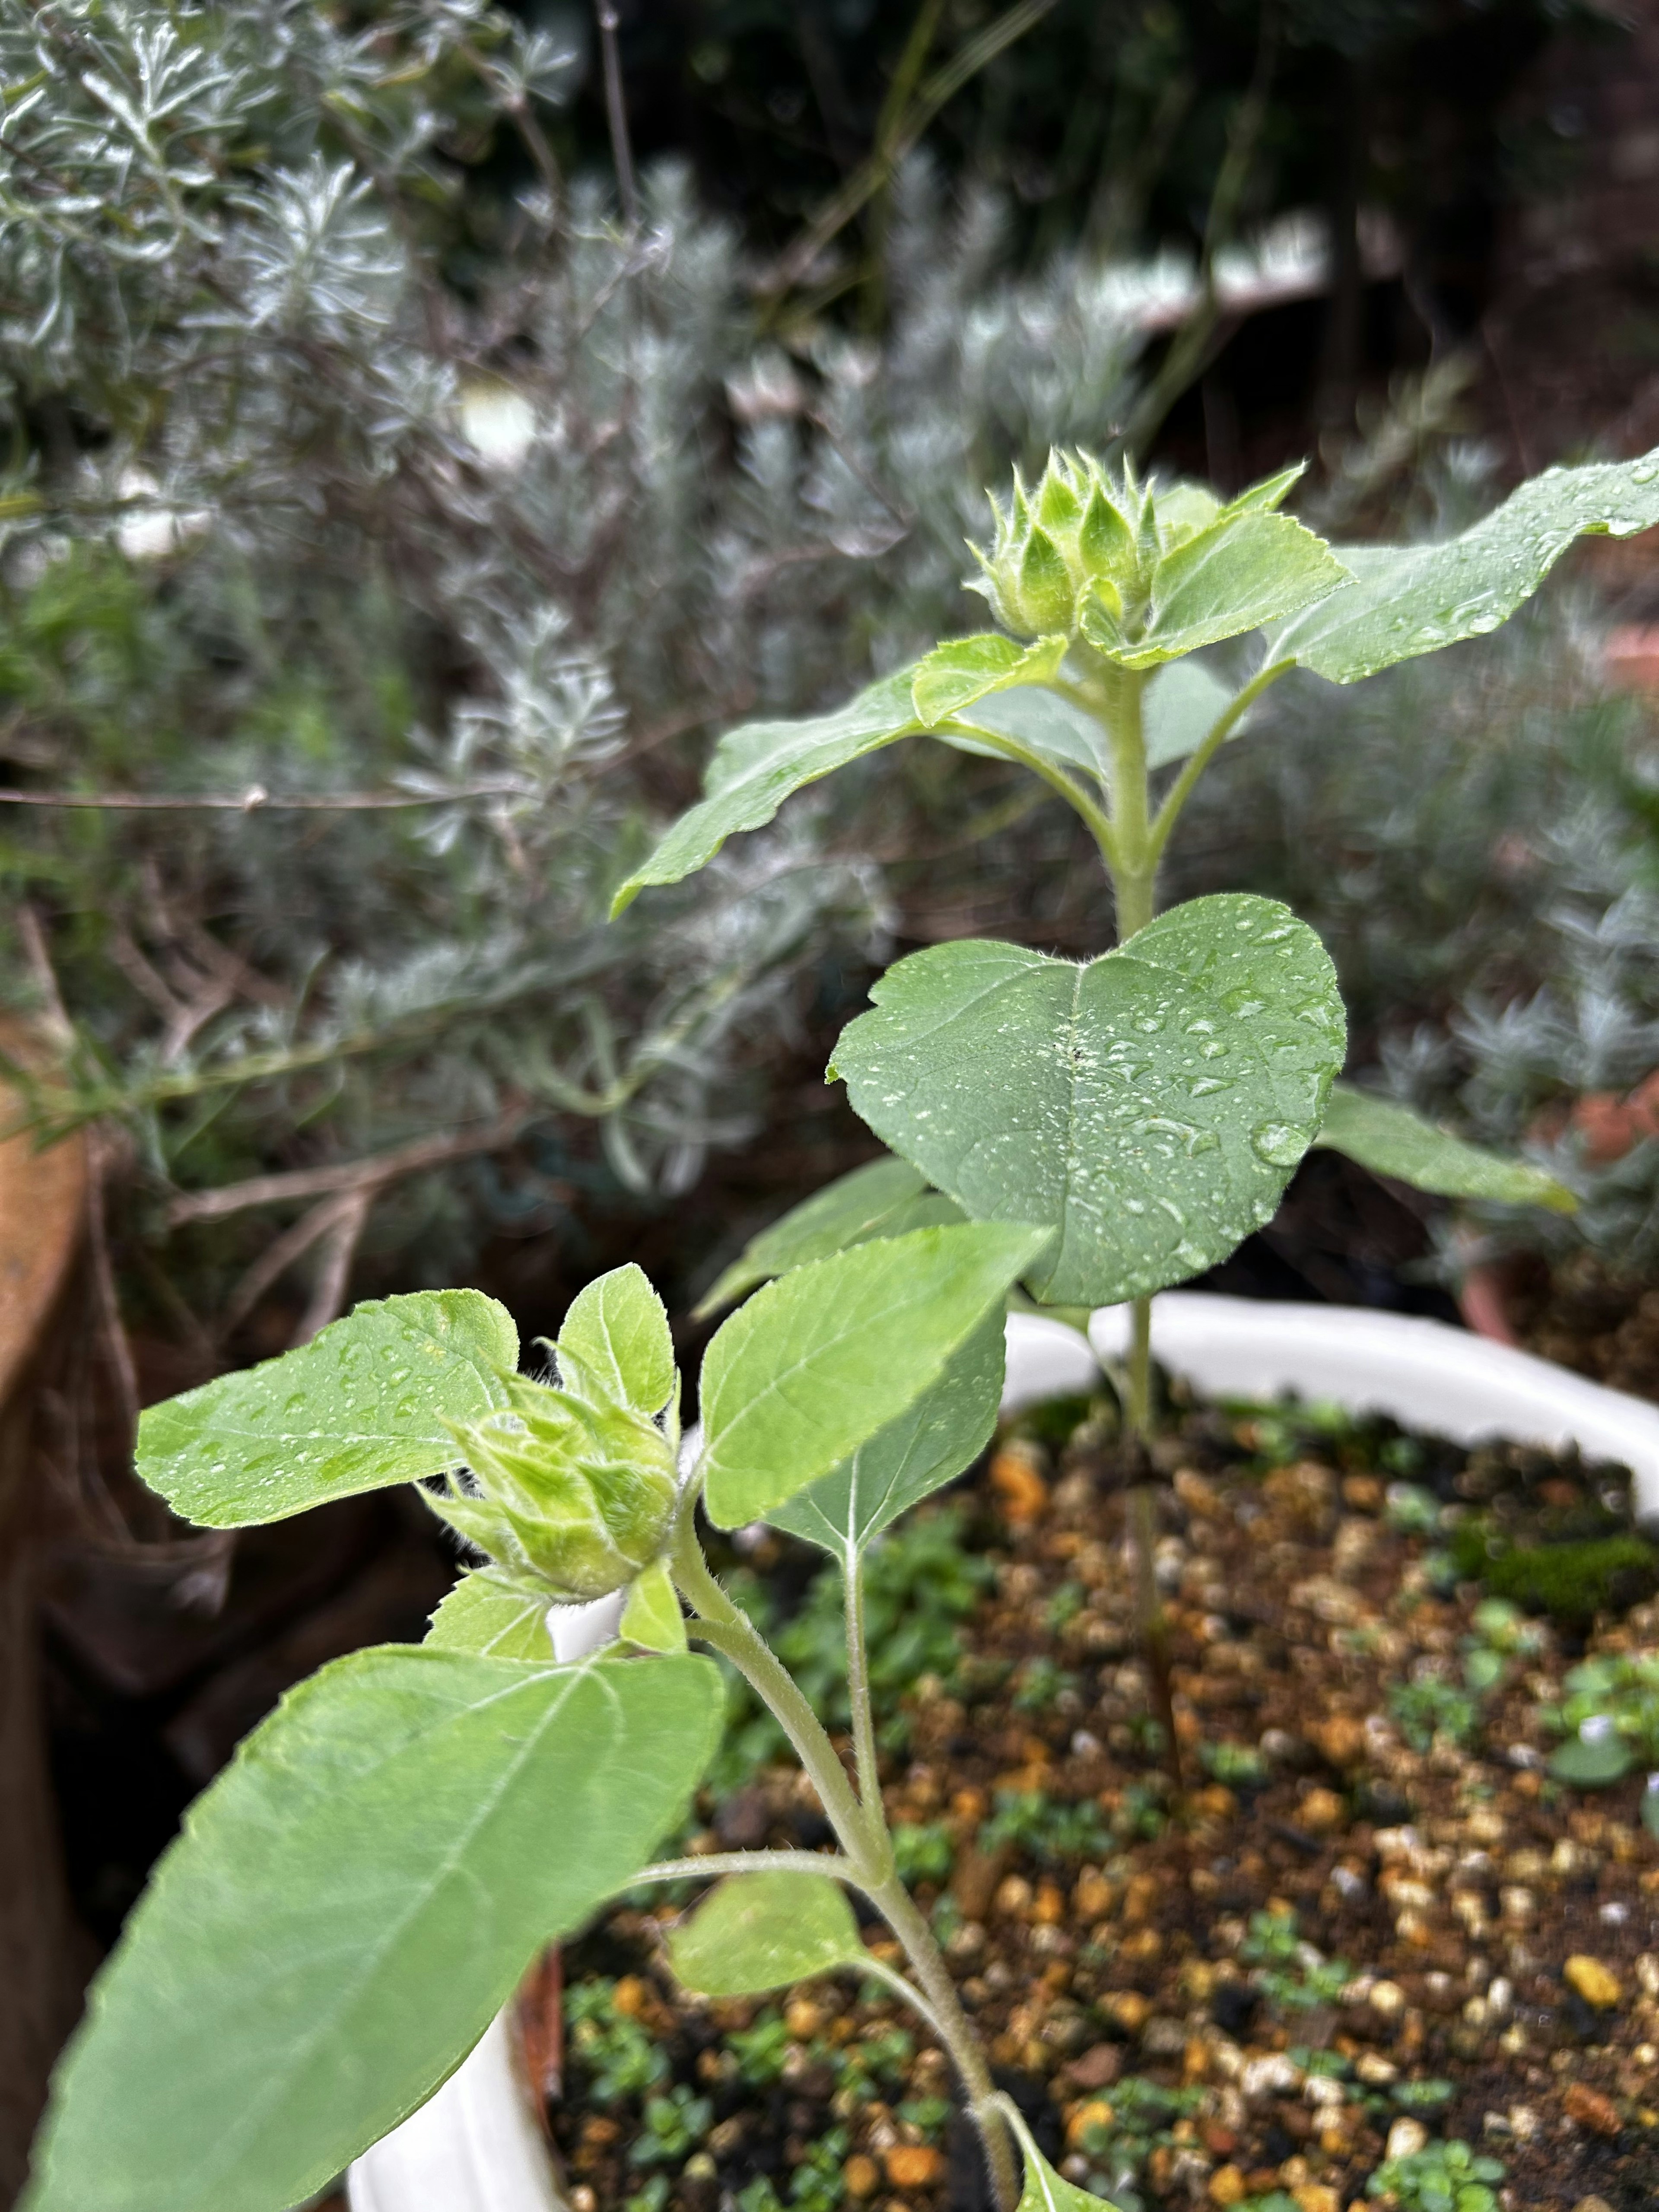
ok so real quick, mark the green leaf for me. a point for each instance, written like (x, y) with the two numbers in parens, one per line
(883, 1199)
(348, 1907)
(1270, 492)
(1409, 599)
(757, 767)
(488, 1617)
(928, 1446)
(1392, 1140)
(652, 1617)
(362, 1405)
(820, 1361)
(616, 1334)
(1242, 572)
(963, 669)
(763, 1931)
(1594, 1763)
(1149, 1105)
(1180, 706)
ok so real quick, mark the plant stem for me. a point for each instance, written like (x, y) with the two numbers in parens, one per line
(857, 1684)
(1131, 862)
(861, 1829)
(831, 1864)
(903, 1916)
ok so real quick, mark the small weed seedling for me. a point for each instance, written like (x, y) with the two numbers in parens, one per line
(353, 1900)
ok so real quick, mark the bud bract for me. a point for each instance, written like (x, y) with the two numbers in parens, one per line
(570, 1494)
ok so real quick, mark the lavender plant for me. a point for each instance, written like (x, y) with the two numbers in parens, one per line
(411, 518)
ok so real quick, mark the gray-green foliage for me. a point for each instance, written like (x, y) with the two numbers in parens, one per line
(282, 529)
(1150, 1104)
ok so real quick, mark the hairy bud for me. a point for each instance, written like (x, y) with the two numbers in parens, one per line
(1079, 542)
(571, 1496)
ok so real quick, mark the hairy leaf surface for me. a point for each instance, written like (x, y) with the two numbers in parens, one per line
(488, 1618)
(362, 1405)
(928, 1446)
(884, 1198)
(349, 1905)
(1392, 1140)
(652, 1617)
(822, 1360)
(1409, 599)
(756, 767)
(963, 669)
(764, 1930)
(1149, 1106)
(616, 1332)
(1245, 570)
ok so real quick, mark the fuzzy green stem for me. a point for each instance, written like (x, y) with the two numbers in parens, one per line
(1093, 815)
(702, 1865)
(858, 1685)
(1134, 864)
(861, 1829)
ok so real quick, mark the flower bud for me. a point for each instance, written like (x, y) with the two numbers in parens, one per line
(1074, 543)
(570, 1495)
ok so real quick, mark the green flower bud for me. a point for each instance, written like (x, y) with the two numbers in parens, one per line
(1076, 540)
(572, 1496)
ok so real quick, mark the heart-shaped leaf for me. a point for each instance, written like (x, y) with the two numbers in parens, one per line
(365, 1403)
(347, 1908)
(942, 1433)
(763, 1931)
(1391, 1140)
(1149, 1105)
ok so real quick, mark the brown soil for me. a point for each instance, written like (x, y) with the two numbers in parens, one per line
(1115, 1973)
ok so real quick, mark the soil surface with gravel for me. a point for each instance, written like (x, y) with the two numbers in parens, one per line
(1368, 1922)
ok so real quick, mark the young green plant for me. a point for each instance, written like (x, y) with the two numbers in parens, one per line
(354, 1899)
(1150, 1104)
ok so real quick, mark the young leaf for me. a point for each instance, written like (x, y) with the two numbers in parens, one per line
(1149, 1105)
(488, 1618)
(616, 1334)
(1243, 571)
(1392, 1140)
(1409, 599)
(883, 1199)
(1592, 1763)
(762, 1931)
(756, 768)
(820, 1361)
(1045, 2191)
(926, 1447)
(955, 674)
(364, 1404)
(1182, 705)
(349, 1905)
(652, 1617)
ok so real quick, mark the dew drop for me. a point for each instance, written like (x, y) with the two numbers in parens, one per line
(1279, 1143)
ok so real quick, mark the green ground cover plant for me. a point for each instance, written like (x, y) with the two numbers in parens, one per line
(352, 1901)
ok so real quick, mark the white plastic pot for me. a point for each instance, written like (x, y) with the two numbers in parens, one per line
(477, 2145)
